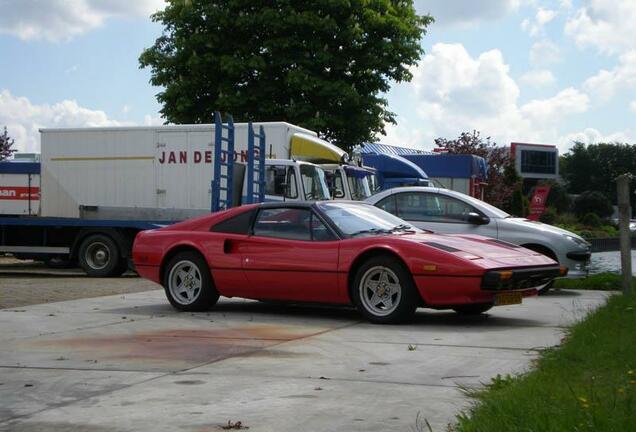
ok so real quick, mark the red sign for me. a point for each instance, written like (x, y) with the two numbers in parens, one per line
(537, 202)
(23, 193)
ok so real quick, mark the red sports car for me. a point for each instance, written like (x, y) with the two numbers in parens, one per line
(335, 252)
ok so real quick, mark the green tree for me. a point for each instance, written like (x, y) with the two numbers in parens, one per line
(596, 166)
(593, 202)
(502, 177)
(321, 64)
(6, 142)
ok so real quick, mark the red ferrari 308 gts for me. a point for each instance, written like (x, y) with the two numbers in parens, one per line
(335, 252)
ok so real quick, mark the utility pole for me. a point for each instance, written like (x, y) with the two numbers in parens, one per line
(624, 210)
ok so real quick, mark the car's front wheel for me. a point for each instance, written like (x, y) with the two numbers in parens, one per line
(383, 291)
(188, 283)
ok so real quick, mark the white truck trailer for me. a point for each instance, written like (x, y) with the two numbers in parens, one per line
(98, 187)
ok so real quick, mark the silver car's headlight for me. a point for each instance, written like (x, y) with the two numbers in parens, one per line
(580, 242)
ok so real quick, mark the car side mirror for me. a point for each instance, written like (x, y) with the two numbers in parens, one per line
(477, 219)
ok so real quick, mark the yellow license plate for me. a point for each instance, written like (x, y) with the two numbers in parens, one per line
(507, 299)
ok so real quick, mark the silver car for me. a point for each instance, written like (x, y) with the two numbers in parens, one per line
(447, 211)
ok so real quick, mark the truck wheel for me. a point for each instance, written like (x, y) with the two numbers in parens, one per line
(188, 283)
(99, 256)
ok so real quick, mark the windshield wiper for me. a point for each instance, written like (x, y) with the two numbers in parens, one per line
(403, 228)
(372, 231)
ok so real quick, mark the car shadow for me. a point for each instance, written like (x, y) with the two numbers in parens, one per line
(561, 293)
(248, 310)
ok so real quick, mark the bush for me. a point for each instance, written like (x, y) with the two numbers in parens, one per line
(558, 197)
(593, 202)
(591, 220)
(517, 207)
(549, 216)
(567, 219)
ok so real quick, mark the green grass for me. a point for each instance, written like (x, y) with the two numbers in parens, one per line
(586, 384)
(601, 281)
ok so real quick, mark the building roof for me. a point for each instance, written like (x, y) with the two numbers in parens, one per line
(379, 148)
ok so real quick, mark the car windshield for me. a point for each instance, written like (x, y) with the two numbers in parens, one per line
(314, 183)
(360, 188)
(364, 220)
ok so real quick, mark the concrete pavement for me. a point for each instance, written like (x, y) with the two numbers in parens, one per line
(131, 363)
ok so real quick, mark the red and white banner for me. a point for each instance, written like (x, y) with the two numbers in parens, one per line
(537, 202)
(21, 193)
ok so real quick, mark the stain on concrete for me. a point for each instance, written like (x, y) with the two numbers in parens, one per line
(54, 427)
(181, 345)
(190, 382)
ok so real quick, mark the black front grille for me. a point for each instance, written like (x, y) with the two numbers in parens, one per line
(524, 278)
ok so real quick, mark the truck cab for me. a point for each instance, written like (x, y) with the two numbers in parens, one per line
(350, 182)
(290, 180)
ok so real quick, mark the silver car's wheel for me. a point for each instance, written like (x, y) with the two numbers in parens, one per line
(380, 291)
(185, 282)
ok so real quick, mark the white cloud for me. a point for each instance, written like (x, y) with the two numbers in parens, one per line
(632, 106)
(150, 120)
(607, 25)
(23, 118)
(545, 111)
(449, 12)
(542, 17)
(56, 20)
(592, 136)
(456, 92)
(606, 83)
(544, 53)
(538, 78)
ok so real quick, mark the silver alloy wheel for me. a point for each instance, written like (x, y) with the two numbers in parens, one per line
(97, 255)
(380, 290)
(184, 282)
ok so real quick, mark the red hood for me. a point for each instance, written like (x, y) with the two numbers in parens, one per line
(474, 247)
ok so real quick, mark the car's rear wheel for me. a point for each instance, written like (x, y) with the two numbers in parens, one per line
(188, 283)
(473, 309)
(383, 291)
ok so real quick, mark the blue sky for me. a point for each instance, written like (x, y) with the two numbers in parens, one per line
(517, 70)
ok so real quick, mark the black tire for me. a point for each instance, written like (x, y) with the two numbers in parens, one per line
(99, 256)
(197, 301)
(547, 252)
(473, 309)
(403, 306)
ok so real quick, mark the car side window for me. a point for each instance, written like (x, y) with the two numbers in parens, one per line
(387, 204)
(280, 180)
(239, 224)
(291, 224)
(429, 207)
(320, 231)
(284, 223)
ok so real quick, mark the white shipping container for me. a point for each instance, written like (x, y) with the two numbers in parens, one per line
(154, 173)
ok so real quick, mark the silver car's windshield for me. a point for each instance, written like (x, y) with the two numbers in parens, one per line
(364, 220)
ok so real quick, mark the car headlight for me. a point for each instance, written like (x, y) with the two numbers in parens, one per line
(579, 241)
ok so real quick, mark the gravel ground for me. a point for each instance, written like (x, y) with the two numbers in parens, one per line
(25, 283)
